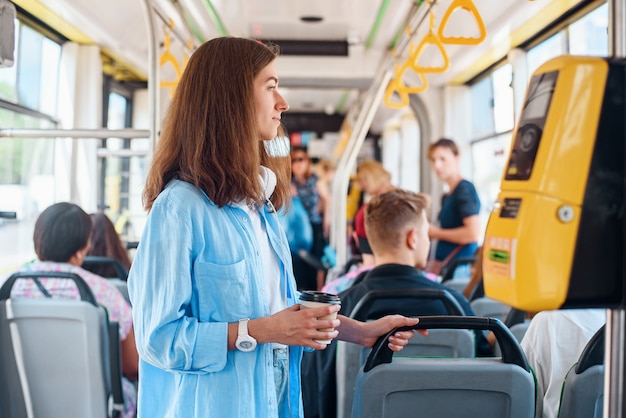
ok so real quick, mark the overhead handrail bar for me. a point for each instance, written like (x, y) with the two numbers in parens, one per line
(104, 152)
(414, 22)
(370, 104)
(183, 38)
(153, 75)
(74, 133)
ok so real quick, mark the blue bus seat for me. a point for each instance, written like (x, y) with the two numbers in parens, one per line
(582, 395)
(489, 308)
(446, 387)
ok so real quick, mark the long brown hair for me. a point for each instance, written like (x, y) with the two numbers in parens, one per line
(210, 136)
(106, 242)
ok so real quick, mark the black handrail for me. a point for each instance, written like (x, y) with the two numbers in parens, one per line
(511, 351)
(83, 289)
(450, 268)
(8, 215)
(96, 260)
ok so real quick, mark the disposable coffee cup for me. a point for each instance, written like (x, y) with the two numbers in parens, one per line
(314, 299)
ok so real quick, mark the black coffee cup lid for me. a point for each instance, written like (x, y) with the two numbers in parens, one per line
(321, 297)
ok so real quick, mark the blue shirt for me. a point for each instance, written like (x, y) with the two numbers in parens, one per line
(461, 203)
(198, 268)
(310, 197)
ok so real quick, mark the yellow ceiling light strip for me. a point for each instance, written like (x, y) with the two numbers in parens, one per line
(119, 69)
(54, 20)
(113, 66)
(530, 28)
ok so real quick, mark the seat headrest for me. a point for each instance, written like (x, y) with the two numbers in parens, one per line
(593, 353)
(363, 307)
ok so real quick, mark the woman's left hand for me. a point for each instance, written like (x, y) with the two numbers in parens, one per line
(375, 329)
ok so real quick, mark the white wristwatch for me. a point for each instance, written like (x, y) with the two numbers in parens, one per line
(244, 341)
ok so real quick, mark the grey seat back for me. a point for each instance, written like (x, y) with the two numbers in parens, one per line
(62, 350)
(442, 342)
(489, 308)
(447, 387)
(582, 395)
(457, 284)
(518, 331)
(122, 286)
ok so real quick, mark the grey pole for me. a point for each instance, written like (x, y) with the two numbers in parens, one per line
(153, 76)
(615, 364)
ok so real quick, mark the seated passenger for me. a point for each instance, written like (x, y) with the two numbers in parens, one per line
(553, 343)
(356, 274)
(397, 231)
(61, 240)
(106, 242)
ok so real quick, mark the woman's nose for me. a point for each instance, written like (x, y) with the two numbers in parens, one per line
(282, 104)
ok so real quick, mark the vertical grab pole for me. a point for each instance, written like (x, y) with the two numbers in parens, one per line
(153, 82)
(615, 364)
(346, 162)
(373, 98)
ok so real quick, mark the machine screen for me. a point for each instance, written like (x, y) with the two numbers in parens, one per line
(534, 114)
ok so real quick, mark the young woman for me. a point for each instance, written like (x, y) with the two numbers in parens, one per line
(459, 224)
(373, 180)
(219, 329)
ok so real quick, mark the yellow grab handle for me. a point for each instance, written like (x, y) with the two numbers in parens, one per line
(389, 96)
(430, 38)
(422, 86)
(467, 5)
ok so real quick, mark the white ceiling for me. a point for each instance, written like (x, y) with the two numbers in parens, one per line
(309, 83)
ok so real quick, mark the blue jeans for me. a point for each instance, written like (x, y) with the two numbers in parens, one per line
(281, 377)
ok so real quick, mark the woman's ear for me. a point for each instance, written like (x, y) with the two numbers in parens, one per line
(79, 256)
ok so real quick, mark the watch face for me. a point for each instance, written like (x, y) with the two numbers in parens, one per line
(246, 345)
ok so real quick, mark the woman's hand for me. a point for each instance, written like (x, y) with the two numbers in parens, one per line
(375, 329)
(297, 326)
(366, 333)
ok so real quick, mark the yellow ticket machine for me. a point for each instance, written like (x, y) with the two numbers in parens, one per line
(555, 236)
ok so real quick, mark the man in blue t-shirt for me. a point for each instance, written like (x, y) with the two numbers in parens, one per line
(459, 223)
